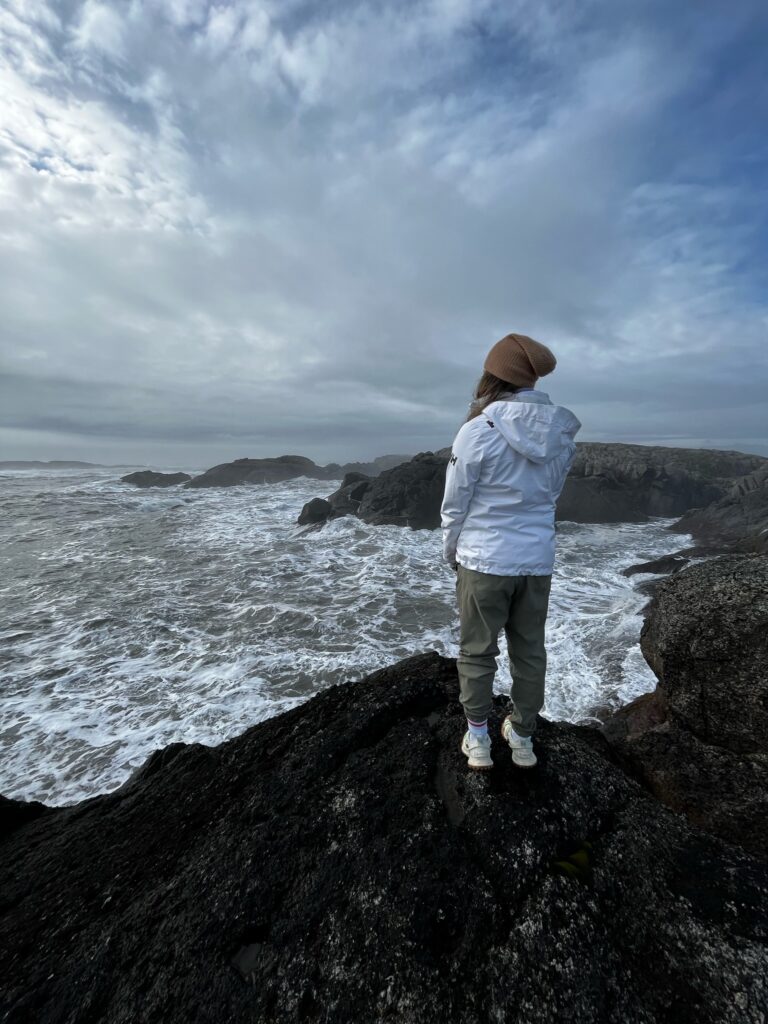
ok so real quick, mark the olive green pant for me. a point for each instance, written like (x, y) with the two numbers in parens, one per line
(518, 605)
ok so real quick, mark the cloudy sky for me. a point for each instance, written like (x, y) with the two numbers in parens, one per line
(264, 226)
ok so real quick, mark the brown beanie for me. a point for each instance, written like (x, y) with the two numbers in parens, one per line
(519, 360)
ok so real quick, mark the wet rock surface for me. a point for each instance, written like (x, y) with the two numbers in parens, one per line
(149, 478)
(608, 483)
(339, 863)
(700, 741)
(658, 566)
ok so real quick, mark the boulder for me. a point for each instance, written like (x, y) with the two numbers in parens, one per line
(739, 519)
(340, 863)
(661, 566)
(148, 478)
(407, 495)
(344, 501)
(315, 511)
(700, 741)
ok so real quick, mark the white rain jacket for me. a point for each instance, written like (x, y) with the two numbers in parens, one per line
(506, 470)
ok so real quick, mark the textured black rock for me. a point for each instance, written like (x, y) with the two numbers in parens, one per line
(700, 741)
(343, 502)
(315, 511)
(739, 519)
(148, 478)
(628, 482)
(608, 483)
(408, 495)
(340, 864)
(285, 467)
(258, 471)
(661, 566)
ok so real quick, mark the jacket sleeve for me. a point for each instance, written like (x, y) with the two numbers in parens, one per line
(560, 469)
(461, 476)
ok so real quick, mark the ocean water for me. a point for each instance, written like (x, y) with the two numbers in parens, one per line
(130, 619)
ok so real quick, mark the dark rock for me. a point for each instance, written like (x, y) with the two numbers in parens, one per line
(354, 478)
(366, 469)
(258, 471)
(148, 478)
(612, 483)
(348, 499)
(315, 511)
(408, 495)
(14, 813)
(662, 566)
(608, 483)
(739, 519)
(284, 467)
(700, 741)
(339, 863)
(344, 501)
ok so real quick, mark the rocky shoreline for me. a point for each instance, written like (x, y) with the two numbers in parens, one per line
(608, 483)
(339, 863)
(263, 471)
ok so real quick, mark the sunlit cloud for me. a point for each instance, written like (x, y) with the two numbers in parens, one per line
(241, 228)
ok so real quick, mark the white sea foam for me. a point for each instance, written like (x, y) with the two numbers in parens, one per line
(133, 619)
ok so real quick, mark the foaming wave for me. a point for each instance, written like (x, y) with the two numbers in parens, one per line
(135, 619)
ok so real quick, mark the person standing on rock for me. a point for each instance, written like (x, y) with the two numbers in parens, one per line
(507, 467)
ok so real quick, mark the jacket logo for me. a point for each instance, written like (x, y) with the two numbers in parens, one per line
(453, 460)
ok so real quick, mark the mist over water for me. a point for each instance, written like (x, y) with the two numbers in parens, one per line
(132, 619)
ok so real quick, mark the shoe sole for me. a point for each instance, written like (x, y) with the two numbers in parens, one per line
(475, 767)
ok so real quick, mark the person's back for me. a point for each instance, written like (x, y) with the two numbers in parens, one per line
(507, 467)
(518, 452)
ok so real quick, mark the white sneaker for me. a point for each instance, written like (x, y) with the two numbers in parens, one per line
(521, 746)
(477, 750)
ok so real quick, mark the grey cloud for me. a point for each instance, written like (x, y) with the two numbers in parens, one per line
(311, 240)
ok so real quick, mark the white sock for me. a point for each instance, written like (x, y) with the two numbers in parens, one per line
(478, 729)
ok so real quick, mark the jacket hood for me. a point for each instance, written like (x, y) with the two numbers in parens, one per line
(532, 425)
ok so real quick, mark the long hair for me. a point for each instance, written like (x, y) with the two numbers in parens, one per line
(489, 389)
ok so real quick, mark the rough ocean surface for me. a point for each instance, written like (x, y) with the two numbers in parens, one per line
(341, 864)
(135, 619)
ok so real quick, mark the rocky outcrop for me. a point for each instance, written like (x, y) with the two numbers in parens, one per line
(286, 467)
(339, 863)
(346, 500)
(379, 465)
(608, 483)
(148, 478)
(258, 471)
(700, 741)
(739, 519)
(408, 495)
(658, 566)
(318, 510)
(613, 483)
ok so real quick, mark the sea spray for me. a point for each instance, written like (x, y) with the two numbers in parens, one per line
(134, 618)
